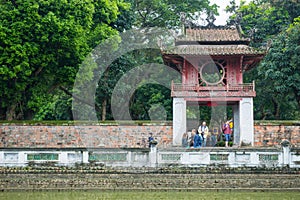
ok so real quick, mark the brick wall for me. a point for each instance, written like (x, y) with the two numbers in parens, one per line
(115, 136)
(273, 134)
(108, 136)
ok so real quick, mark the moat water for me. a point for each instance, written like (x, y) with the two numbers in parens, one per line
(97, 195)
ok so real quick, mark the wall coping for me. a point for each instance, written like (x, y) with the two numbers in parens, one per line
(74, 148)
(173, 150)
(130, 123)
(277, 122)
(222, 149)
(85, 123)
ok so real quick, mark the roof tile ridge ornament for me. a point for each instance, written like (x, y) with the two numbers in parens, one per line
(237, 24)
(211, 19)
(183, 23)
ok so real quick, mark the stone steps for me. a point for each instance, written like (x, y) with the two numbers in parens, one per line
(149, 181)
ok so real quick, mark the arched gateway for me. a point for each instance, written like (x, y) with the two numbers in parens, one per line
(211, 61)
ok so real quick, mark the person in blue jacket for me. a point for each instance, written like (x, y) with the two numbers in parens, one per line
(197, 140)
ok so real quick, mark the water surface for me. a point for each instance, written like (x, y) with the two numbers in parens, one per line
(94, 195)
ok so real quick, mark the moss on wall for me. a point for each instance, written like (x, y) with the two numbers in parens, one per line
(71, 123)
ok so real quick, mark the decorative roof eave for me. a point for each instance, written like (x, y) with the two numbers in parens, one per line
(250, 61)
(217, 42)
(213, 50)
(251, 57)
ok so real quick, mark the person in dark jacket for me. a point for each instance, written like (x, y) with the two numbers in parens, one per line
(185, 140)
(151, 140)
(197, 140)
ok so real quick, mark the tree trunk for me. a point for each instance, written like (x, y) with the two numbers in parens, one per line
(11, 112)
(263, 113)
(297, 99)
(79, 99)
(104, 103)
(276, 108)
(2, 113)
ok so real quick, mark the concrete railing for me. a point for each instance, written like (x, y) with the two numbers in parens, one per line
(231, 157)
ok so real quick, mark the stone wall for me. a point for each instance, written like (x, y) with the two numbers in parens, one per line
(107, 136)
(120, 136)
(272, 134)
(181, 180)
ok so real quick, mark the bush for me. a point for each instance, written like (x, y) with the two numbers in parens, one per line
(222, 144)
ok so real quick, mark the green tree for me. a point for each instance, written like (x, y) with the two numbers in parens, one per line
(281, 68)
(259, 20)
(42, 44)
(166, 13)
(276, 76)
(146, 14)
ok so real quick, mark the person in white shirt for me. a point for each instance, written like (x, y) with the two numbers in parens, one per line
(203, 130)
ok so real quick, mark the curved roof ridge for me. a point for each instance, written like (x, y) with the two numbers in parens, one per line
(213, 34)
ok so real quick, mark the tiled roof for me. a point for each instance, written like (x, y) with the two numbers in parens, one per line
(212, 35)
(213, 50)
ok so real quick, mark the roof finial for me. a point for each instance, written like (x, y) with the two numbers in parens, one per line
(238, 19)
(211, 19)
(183, 22)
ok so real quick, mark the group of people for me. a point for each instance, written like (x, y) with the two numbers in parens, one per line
(198, 137)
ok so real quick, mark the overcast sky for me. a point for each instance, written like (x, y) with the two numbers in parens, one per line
(222, 18)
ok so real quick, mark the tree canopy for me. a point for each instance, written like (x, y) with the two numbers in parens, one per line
(43, 43)
(275, 25)
(147, 14)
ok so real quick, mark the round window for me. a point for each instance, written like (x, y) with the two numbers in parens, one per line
(212, 73)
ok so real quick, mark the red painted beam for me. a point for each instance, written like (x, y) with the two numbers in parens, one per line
(228, 99)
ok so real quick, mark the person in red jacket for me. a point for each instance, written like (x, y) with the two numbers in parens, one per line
(227, 132)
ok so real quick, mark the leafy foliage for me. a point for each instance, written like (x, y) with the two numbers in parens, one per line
(41, 45)
(148, 100)
(277, 77)
(166, 13)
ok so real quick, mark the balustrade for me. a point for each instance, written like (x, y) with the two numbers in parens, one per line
(236, 90)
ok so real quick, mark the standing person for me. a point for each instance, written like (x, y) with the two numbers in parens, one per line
(231, 125)
(185, 140)
(227, 132)
(191, 138)
(203, 130)
(197, 140)
(214, 138)
(150, 140)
